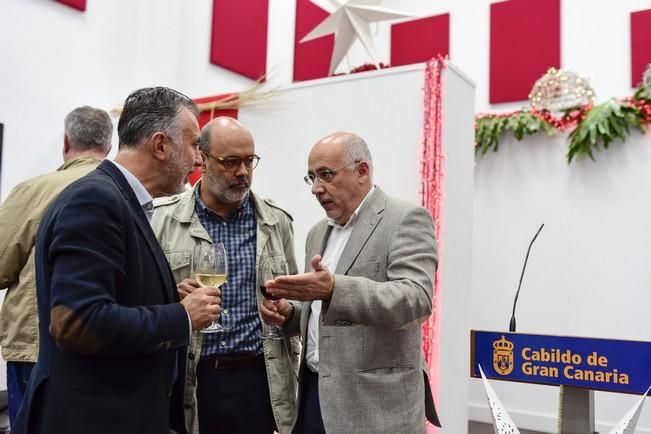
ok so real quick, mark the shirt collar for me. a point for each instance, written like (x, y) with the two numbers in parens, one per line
(139, 190)
(353, 217)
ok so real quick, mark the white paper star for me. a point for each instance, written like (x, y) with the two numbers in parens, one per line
(502, 422)
(629, 421)
(350, 20)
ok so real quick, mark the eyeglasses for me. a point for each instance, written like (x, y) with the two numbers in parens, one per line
(325, 175)
(233, 163)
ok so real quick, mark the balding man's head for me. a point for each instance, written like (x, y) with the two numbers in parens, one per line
(224, 134)
(352, 147)
(228, 160)
(340, 169)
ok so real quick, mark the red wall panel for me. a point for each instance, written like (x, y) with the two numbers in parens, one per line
(640, 44)
(525, 41)
(312, 58)
(419, 40)
(239, 36)
(77, 4)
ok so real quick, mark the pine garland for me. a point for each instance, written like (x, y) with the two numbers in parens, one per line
(593, 127)
(602, 125)
(489, 128)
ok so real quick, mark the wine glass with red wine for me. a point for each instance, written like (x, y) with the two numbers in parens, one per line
(271, 268)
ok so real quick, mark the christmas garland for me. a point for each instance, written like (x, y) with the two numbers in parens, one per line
(593, 127)
(363, 68)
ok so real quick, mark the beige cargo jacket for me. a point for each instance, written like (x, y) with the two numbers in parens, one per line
(20, 216)
(178, 230)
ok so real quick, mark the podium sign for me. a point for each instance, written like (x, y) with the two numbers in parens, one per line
(599, 364)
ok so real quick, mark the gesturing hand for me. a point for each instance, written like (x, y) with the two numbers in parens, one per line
(315, 285)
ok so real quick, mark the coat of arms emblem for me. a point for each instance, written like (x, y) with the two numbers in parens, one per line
(503, 356)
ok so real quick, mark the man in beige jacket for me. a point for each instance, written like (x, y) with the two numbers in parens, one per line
(236, 382)
(87, 140)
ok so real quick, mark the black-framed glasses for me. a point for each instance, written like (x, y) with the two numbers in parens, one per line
(324, 175)
(233, 163)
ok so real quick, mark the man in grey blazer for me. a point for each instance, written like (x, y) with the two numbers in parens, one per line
(362, 369)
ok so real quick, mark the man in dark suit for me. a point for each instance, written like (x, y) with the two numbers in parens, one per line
(110, 321)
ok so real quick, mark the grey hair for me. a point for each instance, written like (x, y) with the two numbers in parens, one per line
(88, 128)
(356, 149)
(151, 110)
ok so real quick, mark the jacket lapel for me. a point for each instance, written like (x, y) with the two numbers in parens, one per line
(316, 246)
(144, 227)
(264, 225)
(321, 238)
(367, 220)
(185, 214)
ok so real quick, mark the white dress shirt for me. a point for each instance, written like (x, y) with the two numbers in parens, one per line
(143, 196)
(335, 246)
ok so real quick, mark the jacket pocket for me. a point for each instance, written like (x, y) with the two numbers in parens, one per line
(387, 349)
(179, 261)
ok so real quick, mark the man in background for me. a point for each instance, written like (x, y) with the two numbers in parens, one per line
(86, 141)
(237, 382)
(363, 370)
(112, 329)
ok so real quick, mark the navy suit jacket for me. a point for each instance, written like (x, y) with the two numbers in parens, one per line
(111, 328)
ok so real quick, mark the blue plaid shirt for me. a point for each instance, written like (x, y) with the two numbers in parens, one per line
(239, 306)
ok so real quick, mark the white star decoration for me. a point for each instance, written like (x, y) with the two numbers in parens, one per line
(350, 20)
(629, 421)
(502, 422)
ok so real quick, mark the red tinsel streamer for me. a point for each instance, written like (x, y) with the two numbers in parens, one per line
(575, 117)
(644, 107)
(568, 120)
(432, 176)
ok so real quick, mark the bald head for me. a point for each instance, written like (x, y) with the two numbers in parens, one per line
(339, 167)
(224, 132)
(351, 147)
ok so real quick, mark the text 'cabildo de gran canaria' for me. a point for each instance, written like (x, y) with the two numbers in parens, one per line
(540, 362)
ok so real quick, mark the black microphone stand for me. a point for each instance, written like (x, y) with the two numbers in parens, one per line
(526, 258)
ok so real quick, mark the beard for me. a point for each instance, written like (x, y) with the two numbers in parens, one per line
(174, 174)
(227, 191)
(173, 188)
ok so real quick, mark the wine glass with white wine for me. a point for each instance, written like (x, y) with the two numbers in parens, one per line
(210, 269)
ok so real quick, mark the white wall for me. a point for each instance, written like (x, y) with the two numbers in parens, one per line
(588, 273)
(53, 58)
(455, 246)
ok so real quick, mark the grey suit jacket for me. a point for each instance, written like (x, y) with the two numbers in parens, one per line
(371, 368)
